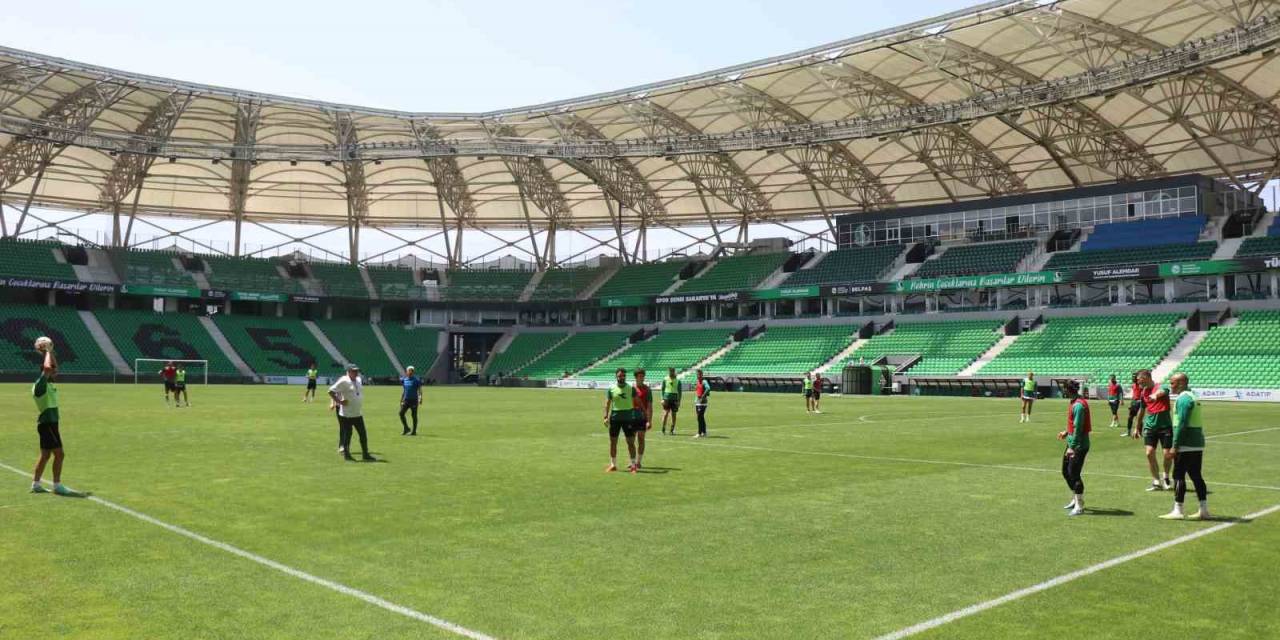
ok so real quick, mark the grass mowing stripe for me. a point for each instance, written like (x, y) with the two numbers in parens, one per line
(1068, 577)
(1240, 433)
(978, 465)
(287, 570)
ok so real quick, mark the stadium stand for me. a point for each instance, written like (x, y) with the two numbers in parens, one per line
(642, 279)
(247, 274)
(155, 268)
(974, 259)
(418, 347)
(396, 283)
(1245, 355)
(946, 348)
(1120, 257)
(77, 352)
(736, 273)
(1092, 347)
(784, 351)
(1260, 246)
(32, 259)
(340, 280)
(145, 334)
(497, 284)
(679, 348)
(355, 341)
(575, 354)
(276, 346)
(524, 347)
(564, 284)
(1144, 233)
(863, 264)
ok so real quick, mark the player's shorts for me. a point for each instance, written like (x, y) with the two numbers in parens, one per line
(808, 393)
(169, 386)
(620, 423)
(311, 385)
(1134, 408)
(50, 438)
(637, 425)
(1115, 405)
(671, 403)
(817, 393)
(1031, 397)
(179, 386)
(1163, 436)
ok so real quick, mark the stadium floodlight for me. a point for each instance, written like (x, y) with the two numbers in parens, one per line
(138, 362)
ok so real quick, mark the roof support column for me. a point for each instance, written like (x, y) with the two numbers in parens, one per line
(826, 215)
(615, 216)
(17, 229)
(533, 239)
(697, 184)
(4, 224)
(444, 226)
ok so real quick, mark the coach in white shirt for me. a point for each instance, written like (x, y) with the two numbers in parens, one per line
(347, 395)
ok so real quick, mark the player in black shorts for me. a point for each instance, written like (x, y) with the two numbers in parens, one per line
(619, 415)
(45, 394)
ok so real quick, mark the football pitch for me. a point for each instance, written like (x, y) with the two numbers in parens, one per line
(236, 518)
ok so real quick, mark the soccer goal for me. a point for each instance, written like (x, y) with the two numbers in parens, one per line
(148, 369)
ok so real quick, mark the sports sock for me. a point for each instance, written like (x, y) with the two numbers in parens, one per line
(1079, 500)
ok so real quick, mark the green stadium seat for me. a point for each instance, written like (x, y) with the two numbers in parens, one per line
(339, 280)
(564, 284)
(354, 339)
(259, 275)
(1090, 347)
(642, 279)
(77, 351)
(33, 259)
(1064, 261)
(155, 268)
(1259, 246)
(679, 348)
(396, 283)
(276, 346)
(861, 264)
(1245, 355)
(414, 346)
(574, 354)
(974, 259)
(522, 350)
(946, 348)
(736, 273)
(146, 334)
(486, 284)
(787, 351)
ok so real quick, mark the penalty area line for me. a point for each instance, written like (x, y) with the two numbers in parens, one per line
(1066, 577)
(286, 569)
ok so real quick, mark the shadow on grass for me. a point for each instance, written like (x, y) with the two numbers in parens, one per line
(1107, 512)
(658, 470)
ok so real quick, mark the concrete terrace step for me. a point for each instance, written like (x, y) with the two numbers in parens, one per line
(982, 361)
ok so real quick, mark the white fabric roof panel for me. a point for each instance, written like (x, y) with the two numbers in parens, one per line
(217, 153)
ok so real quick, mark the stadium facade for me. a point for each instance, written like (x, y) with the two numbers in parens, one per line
(984, 180)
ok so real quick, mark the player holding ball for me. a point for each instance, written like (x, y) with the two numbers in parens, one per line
(45, 394)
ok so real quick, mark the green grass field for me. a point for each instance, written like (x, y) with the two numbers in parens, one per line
(877, 515)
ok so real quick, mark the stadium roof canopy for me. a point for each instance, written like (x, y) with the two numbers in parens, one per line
(1002, 98)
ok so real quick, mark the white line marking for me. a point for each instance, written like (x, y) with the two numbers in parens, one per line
(287, 570)
(1065, 578)
(1240, 433)
(977, 465)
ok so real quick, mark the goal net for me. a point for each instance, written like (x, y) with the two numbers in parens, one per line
(148, 369)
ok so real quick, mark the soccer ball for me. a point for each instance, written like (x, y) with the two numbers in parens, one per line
(43, 343)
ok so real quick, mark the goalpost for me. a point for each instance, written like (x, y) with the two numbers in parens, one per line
(153, 366)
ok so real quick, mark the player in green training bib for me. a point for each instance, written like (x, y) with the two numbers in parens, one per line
(1028, 394)
(671, 395)
(309, 395)
(180, 387)
(807, 387)
(1188, 449)
(619, 416)
(45, 393)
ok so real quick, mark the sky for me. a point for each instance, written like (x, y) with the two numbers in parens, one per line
(433, 55)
